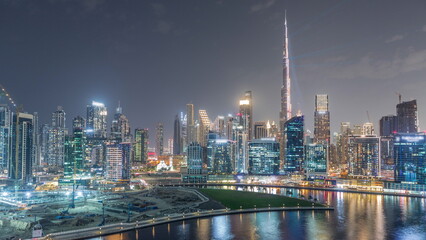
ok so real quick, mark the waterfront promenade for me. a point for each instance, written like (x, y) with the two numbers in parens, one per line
(292, 186)
(123, 227)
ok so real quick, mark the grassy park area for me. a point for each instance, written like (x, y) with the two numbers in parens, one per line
(236, 199)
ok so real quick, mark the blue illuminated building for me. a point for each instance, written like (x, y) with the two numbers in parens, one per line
(410, 157)
(294, 149)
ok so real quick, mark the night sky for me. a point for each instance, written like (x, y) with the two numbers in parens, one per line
(157, 56)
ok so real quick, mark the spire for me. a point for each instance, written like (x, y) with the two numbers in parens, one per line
(119, 110)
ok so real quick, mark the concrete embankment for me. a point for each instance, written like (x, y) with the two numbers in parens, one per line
(123, 227)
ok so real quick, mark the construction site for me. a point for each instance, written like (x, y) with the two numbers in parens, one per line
(59, 211)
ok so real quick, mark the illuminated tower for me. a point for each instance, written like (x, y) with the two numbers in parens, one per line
(204, 127)
(246, 111)
(322, 119)
(159, 139)
(96, 120)
(285, 113)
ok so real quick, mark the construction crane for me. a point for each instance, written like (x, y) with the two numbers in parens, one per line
(7, 96)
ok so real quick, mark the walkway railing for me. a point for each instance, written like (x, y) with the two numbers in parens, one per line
(123, 227)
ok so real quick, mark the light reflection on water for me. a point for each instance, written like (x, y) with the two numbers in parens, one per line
(356, 216)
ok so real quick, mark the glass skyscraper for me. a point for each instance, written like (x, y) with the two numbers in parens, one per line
(294, 136)
(219, 155)
(264, 156)
(316, 159)
(410, 157)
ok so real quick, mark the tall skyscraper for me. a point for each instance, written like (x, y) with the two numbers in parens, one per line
(36, 141)
(183, 132)
(406, 113)
(75, 150)
(159, 139)
(177, 137)
(204, 129)
(190, 124)
(5, 135)
(96, 120)
(264, 156)
(294, 137)
(141, 146)
(321, 120)
(246, 111)
(20, 161)
(388, 125)
(56, 140)
(285, 112)
(120, 127)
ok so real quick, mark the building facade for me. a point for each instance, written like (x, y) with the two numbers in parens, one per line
(294, 143)
(264, 156)
(410, 157)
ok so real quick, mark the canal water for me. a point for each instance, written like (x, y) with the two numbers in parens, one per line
(356, 216)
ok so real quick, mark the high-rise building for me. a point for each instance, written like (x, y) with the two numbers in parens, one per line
(204, 129)
(285, 111)
(20, 161)
(220, 157)
(264, 156)
(56, 140)
(241, 140)
(159, 139)
(229, 127)
(219, 126)
(120, 127)
(44, 143)
(5, 135)
(183, 132)
(141, 146)
(36, 141)
(406, 113)
(261, 130)
(342, 143)
(118, 161)
(170, 145)
(294, 136)
(410, 157)
(321, 120)
(75, 150)
(190, 124)
(246, 111)
(177, 136)
(316, 160)
(96, 120)
(388, 125)
(364, 155)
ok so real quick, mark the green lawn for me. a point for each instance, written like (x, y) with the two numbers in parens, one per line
(234, 199)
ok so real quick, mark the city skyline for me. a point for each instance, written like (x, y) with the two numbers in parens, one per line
(350, 99)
